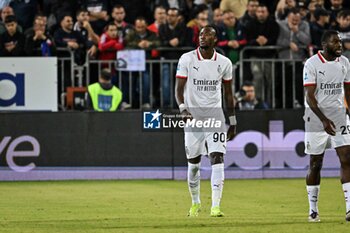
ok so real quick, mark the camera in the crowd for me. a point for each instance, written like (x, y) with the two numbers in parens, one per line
(239, 95)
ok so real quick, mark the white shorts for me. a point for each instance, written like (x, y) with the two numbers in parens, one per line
(317, 141)
(204, 143)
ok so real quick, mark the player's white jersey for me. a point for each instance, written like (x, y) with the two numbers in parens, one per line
(204, 79)
(329, 78)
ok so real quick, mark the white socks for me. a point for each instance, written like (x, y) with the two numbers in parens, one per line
(217, 183)
(312, 193)
(346, 189)
(193, 180)
(314, 190)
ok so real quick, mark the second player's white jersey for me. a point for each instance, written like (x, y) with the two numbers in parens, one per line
(329, 78)
(204, 79)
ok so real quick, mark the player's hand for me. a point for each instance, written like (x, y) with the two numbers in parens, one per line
(186, 115)
(231, 132)
(329, 126)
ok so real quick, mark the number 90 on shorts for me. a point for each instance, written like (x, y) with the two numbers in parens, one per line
(203, 143)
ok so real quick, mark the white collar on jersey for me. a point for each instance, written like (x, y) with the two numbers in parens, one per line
(199, 55)
(323, 59)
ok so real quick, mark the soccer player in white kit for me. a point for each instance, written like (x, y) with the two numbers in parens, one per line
(199, 78)
(326, 82)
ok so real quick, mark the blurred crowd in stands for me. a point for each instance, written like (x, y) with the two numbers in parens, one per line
(100, 28)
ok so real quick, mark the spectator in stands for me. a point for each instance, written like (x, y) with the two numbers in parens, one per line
(343, 27)
(283, 8)
(184, 7)
(249, 14)
(237, 7)
(318, 27)
(303, 10)
(211, 5)
(83, 26)
(109, 43)
(25, 12)
(262, 31)
(142, 38)
(336, 7)
(246, 98)
(133, 8)
(6, 11)
(171, 34)
(98, 14)
(159, 19)
(231, 37)
(103, 95)
(43, 20)
(11, 41)
(39, 42)
(294, 37)
(54, 11)
(200, 21)
(202, 8)
(65, 37)
(312, 7)
(217, 17)
(123, 28)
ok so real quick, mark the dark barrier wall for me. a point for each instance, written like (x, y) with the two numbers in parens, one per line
(78, 140)
(89, 139)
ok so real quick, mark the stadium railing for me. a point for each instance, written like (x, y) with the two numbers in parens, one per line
(80, 75)
(274, 61)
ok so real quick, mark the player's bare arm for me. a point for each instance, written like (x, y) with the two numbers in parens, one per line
(347, 96)
(179, 94)
(229, 100)
(328, 125)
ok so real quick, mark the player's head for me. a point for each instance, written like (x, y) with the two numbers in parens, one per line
(331, 43)
(208, 37)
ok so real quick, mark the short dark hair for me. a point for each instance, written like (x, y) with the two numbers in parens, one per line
(320, 11)
(10, 19)
(63, 15)
(159, 7)
(81, 10)
(118, 6)
(327, 35)
(110, 24)
(294, 11)
(248, 83)
(343, 13)
(106, 74)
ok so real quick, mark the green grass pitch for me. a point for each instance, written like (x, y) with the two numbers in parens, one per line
(277, 205)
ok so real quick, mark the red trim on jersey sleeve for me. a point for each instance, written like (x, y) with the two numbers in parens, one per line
(198, 56)
(346, 83)
(227, 80)
(179, 76)
(320, 57)
(309, 84)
